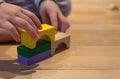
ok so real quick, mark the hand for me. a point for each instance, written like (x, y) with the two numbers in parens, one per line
(14, 18)
(51, 14)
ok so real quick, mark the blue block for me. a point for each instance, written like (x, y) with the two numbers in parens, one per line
(34, 59)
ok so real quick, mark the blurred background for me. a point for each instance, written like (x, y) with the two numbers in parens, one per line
(96, 22)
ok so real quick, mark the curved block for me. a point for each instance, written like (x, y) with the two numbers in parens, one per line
(60, 38)
(47, 33)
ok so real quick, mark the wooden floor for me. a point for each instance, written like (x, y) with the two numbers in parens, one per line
(94, 52)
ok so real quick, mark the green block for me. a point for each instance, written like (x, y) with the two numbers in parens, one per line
(42, 45)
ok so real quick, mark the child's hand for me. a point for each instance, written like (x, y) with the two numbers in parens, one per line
(14, 18)
(51, 14)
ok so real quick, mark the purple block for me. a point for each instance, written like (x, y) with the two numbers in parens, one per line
(34, 59)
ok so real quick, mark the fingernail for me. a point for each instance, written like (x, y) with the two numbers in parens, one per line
(64, 31)
(17, 40)
(38, 36)
(40, 27)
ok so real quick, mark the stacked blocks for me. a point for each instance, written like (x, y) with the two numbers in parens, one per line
(31, 50)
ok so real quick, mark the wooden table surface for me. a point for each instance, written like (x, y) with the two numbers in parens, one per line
(94, 52)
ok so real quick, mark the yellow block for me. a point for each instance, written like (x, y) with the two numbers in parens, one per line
(47, 33)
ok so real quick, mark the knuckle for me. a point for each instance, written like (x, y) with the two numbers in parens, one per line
(31, 22)
(64, 21)
(11, 29)
(2, 23)
(24, 23)
(32, 15)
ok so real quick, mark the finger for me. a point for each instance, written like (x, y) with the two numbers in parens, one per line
(64, 27)
(11, 30)
(64, 23)
(33, 18)
(25, 25)
(44, 18)
(21, 15)
(53, 19)
(18, 29)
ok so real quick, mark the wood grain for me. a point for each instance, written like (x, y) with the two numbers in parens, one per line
(94, 52)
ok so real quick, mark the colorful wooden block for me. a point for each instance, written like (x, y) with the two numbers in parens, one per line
(47, 33)
(34, 59)
(60, 38)
(42, 45)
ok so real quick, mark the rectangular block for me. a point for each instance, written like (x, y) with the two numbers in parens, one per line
(42, 46)
(34, 59)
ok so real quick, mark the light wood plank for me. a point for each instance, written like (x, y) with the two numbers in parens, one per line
(76, 74)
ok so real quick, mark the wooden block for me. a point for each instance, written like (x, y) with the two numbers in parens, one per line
(47, 33)
(34, 59)
(42, 46)
(62, 40)
(113, 7)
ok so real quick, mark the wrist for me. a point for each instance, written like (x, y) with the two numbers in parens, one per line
(41, 1)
